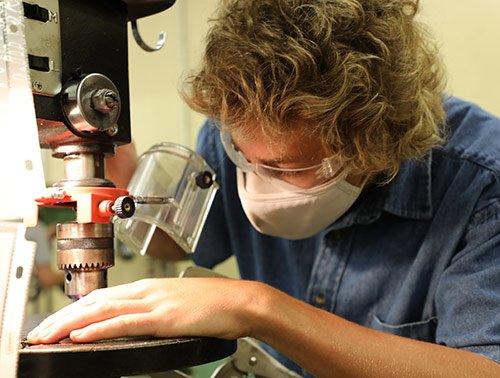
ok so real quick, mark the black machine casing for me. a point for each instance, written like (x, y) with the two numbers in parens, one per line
(93, 39)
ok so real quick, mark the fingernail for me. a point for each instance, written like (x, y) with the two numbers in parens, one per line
(32, 335)
(32, 338)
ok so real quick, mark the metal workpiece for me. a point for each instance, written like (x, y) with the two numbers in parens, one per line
(84, 251)
(91, 103)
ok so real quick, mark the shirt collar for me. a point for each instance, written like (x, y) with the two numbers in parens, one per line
(409, 194)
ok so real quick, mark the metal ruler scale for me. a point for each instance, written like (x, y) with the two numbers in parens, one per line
(16, 264)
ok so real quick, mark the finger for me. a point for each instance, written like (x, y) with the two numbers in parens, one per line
(133, 290)
(53, 319)
(119, 326)
(123, 292)
(59, 327)
(74, 307)
(96, 312)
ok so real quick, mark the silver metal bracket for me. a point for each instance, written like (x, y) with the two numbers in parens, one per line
(251, 358)
(43, 40)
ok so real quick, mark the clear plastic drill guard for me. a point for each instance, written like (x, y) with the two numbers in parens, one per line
(173, 188)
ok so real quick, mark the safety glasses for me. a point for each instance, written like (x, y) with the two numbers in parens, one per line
(306, 177)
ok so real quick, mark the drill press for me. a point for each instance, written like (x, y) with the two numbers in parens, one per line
(77, 53)
(78, 79)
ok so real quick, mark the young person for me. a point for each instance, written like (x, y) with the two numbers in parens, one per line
(362, 204)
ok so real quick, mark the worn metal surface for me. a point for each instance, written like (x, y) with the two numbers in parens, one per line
(117, 357)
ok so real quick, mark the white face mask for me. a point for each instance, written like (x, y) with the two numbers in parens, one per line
(277, 208)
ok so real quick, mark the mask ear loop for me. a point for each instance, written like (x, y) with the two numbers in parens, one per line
(365, 180)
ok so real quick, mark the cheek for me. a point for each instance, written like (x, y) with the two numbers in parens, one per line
(304, 180)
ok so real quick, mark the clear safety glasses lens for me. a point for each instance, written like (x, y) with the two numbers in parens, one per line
(310, 176)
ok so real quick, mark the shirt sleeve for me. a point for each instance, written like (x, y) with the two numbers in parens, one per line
(214, 245)
(468, 294)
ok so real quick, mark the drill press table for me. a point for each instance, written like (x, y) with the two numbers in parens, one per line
(118, 357)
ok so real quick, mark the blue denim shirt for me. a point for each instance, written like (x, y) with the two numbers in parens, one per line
(419, 257)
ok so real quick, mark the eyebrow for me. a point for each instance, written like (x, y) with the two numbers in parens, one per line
(269, 162)
(275, 162)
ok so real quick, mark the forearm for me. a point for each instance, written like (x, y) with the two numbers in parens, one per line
(163, 247)
(329, 346)
(122, 166)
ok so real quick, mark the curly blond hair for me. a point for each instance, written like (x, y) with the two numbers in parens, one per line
(362, 75)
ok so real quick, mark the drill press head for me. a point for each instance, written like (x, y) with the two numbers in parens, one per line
(78, 58)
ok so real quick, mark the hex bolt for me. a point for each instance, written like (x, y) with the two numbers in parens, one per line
(111, 99)
(104, 100)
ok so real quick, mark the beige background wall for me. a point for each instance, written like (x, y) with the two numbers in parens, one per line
(469, 35)
(158, 113)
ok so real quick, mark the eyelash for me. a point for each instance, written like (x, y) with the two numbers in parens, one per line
(289, 174)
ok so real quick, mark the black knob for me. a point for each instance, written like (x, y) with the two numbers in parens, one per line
(204, 179)
(124, 207)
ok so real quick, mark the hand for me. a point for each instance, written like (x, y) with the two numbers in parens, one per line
(168, 307)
